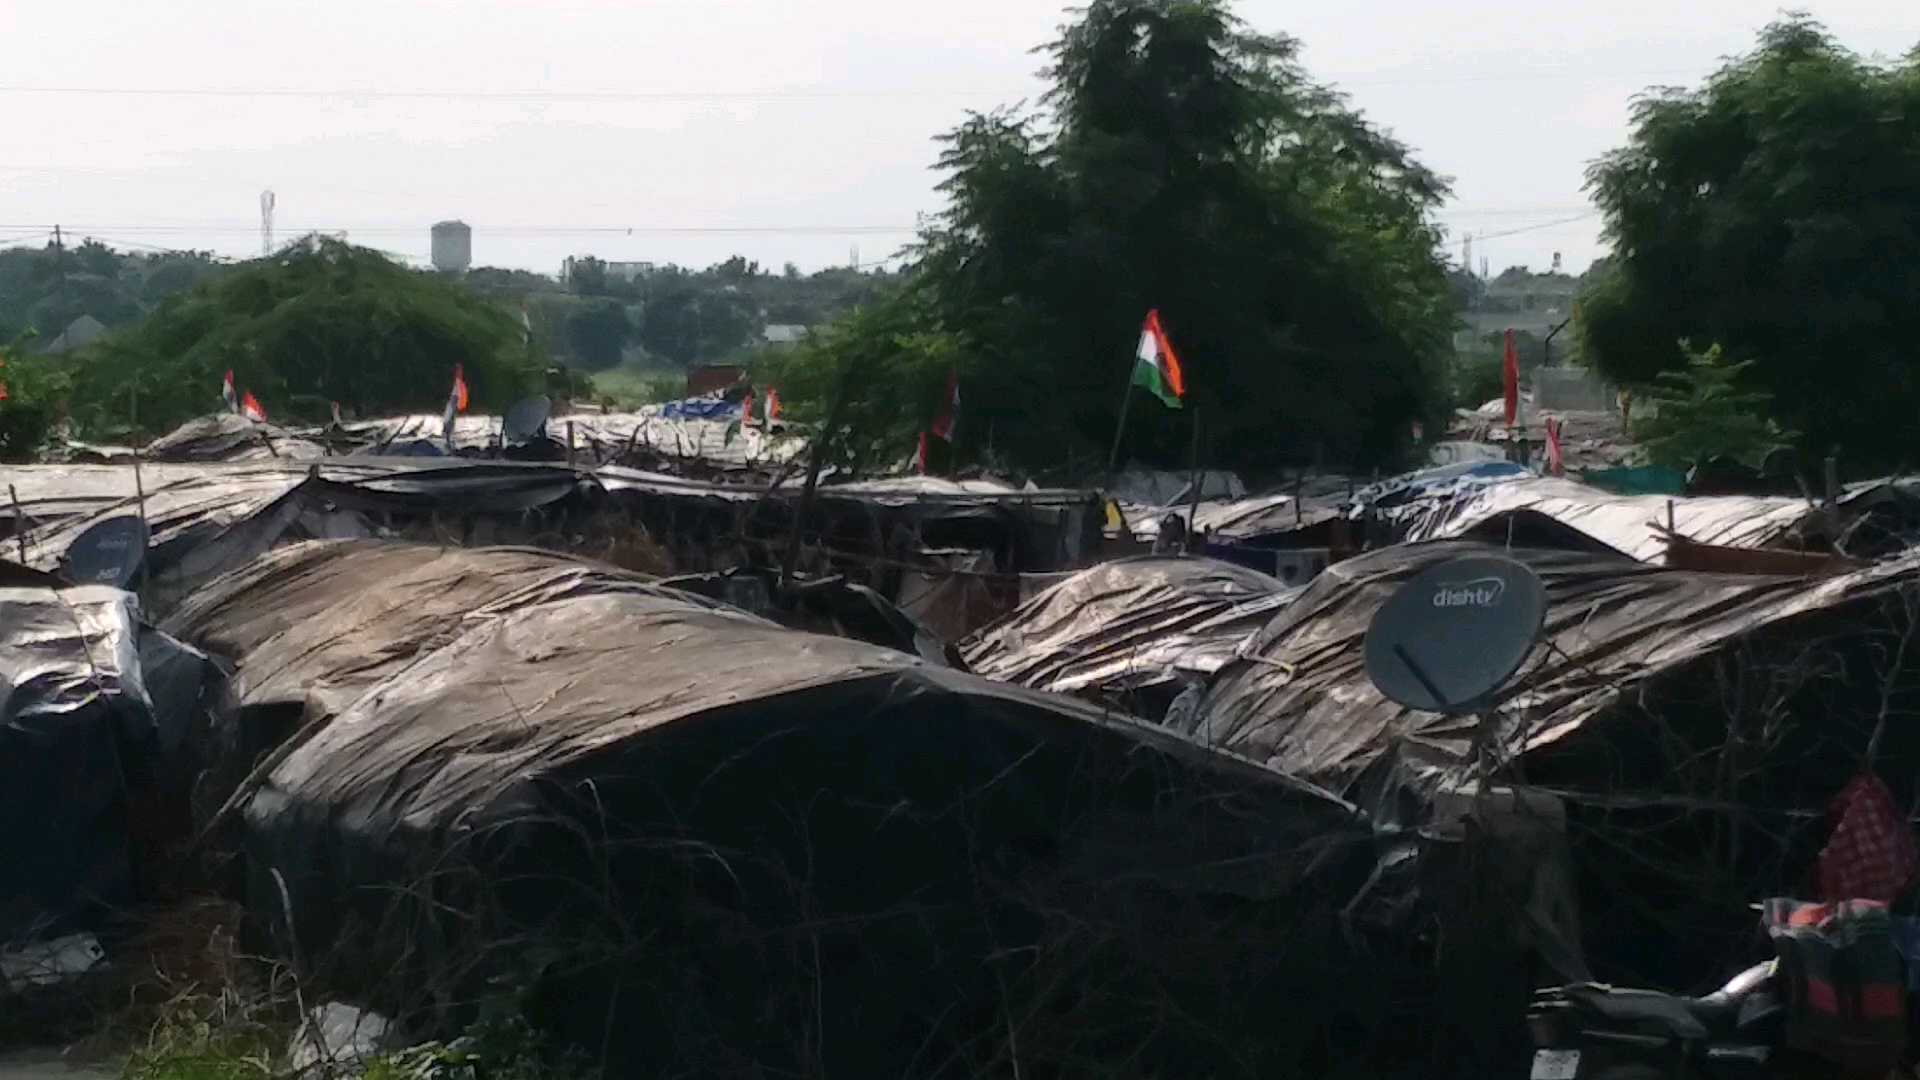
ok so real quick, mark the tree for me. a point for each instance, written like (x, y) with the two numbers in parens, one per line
(321, 321)
(1700, 413)
(1775, 210)
(34, 388)
(1189, 165)
(889, 360)
(691, 317)
(597, 333)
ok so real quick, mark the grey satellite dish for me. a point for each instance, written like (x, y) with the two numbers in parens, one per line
(1445, 641)
(108, 552)
(526, 420)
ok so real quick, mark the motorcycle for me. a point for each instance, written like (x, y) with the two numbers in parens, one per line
(1591, 1031)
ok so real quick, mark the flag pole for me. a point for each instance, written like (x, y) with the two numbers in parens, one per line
(1193, 486)
(1120, 428)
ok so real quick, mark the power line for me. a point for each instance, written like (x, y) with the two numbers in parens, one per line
(773, 94)
(786, 93)
(1512, 211)
(1535, 228)
(504, 230)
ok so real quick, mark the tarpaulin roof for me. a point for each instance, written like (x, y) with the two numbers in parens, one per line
(594, 752)
(703, 439)
(310, 625)
(598, 435)
(72, 706)
(229, 437)
(1128, 624)
(1411, 494)
(1300, 700)
(1629, 524)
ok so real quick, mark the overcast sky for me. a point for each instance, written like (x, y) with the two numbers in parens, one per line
(779, 129)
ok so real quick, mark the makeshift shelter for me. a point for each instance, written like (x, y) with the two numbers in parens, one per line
(230, 437)
(706, 844)
(95, 719)
(1700, 720)
(1543, 511)
(1129, 631)
(210, 518)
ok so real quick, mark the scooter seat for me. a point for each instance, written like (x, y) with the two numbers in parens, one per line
(1646, 1011)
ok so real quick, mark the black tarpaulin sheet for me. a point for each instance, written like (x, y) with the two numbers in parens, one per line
(1128, 624)
(76, 727)
(827, 606)
(727, 817)
(310, 626)
(1301, 701)
(1629, 524)
(229, 436)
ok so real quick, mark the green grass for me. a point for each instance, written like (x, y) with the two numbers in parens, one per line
(630, 386)
(189, 1045)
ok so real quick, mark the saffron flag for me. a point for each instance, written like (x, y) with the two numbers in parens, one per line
(227, 395)
(250, 408)
(1158, 369)
(746, 409)
(945, 421)
(920, 456)
(773, 404)
(1555, 462)
(456, 402)
(1510, 380)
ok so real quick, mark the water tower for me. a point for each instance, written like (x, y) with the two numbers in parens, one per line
(452, 247)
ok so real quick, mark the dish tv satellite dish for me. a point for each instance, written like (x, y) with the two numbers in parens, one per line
(1449, 638)
(526, 420)
(108, 552)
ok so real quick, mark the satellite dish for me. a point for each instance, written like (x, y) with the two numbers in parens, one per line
(108, 552)
(526, 420)
(1456, 633)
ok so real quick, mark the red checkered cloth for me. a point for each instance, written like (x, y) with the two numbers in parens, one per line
(1870, 855)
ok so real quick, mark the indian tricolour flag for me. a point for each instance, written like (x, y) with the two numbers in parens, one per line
(1158, 369)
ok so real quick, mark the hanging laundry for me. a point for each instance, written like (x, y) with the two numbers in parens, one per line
(1870, 854)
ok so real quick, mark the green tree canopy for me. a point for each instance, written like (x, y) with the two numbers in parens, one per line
(1187, 164)
(1700, 412)
(321, 321)
(1775, 210)
(597, 332)
(891, 367)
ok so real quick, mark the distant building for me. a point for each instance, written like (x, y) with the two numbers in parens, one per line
(628, 272)
(452, 247)
(79, 333)
(783, 334)
(707, 378)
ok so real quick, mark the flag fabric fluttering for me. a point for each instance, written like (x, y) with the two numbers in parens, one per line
(945, 422)
(948, 418)
(773, 404)
(456, 402)
(227, 395)
(1510, 380)
(250, 408)
(1555, 462)
(1158, 368)
(746, 409)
